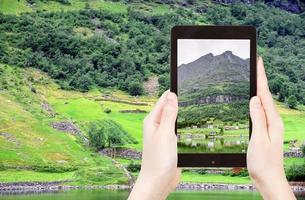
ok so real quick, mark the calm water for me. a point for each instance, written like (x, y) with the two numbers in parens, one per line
(118, 195)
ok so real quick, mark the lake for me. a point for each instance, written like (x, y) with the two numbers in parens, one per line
(120, 195)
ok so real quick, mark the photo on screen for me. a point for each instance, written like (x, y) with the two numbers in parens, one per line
(213, 95)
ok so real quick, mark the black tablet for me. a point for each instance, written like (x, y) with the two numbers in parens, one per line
(213, 73)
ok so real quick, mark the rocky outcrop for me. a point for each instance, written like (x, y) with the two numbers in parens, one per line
(294, 154)
(151, 86)
(122, 153)
(211, 100)
(9, 137)
(70, 127)
(48, 109)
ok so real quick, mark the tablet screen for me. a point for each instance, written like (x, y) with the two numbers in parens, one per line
(213, 85)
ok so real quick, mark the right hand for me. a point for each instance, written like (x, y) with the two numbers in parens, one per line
(265, 150)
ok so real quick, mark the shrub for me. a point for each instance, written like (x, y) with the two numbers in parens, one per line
(296, 173)
(292, 101)
(133, 167)
(241, 173)
(107, 110)
(108, 133)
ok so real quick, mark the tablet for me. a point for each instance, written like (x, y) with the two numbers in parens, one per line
(213, 73)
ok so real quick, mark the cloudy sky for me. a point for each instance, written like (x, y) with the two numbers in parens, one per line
(192, 49)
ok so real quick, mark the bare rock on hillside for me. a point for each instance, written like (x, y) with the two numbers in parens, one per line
(151, 86)
(71, 128)
(48, 109)
(9, 137)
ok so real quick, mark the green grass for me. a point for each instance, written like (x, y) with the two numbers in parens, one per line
(213, 178)
(294, 123)
(293, 161)
(16, 7)
(26, 176)
(31, 143)
(84, 109)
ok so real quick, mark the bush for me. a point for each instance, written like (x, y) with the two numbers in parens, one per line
(2, 167)
(135, 88)
(108, 133)
(296, 173)
(292, 101)
(107, 110)
(242, 173)
(133, 167)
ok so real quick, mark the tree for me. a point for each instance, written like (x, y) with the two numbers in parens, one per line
(135, 88)
(114, 139)
(97, 136)
(292, 101)
(108, 133)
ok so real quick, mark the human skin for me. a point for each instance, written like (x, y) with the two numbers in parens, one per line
(265, 150)
(159, 174)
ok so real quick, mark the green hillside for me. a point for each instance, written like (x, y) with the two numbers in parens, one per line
(30, 149)
(72, 62)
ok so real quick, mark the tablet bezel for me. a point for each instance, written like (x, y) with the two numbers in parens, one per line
(213, 32)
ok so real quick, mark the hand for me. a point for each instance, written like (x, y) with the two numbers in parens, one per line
(159, 174)
(265, 150)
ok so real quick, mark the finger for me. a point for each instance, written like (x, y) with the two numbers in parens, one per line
(155, 115)
(273, 119)
(258, 118)
(169, 113)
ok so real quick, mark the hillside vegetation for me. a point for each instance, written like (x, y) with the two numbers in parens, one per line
(86, 62)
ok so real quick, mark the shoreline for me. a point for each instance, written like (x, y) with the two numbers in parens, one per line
(59, 186)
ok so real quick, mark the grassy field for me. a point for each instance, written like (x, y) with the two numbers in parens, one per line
(27, 140)
(27, 175)
(294, 123)
(84, 108)
(213, 178)
(17, 7)
(32, 142)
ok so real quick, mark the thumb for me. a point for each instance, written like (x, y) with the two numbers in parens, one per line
(169, 113)
(258, 118)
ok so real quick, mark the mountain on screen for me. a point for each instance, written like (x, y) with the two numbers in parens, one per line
(213, 70)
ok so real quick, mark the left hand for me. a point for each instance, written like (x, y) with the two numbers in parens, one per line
(159, 174)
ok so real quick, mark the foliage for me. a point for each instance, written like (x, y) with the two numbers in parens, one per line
(280, 34)
(296, 173)
(108, 133)
(54, 169)
(107, 110)
(292, 101)
(133, 167)
(125, 48)
(242, 173)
